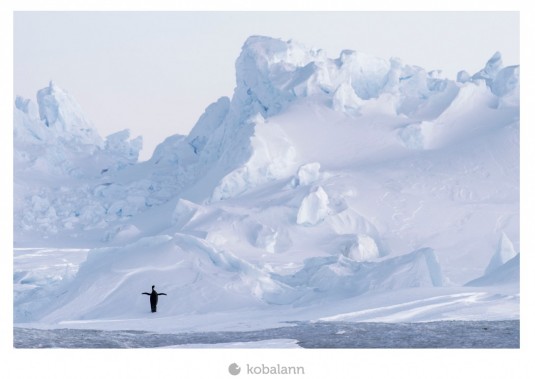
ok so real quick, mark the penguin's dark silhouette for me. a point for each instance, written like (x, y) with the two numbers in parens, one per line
(153, 298)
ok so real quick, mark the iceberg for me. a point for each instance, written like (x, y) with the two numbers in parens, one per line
(323, 186)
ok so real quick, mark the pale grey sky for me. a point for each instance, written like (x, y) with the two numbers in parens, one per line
(155, 72)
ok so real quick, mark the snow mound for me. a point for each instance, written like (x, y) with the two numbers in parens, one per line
(122, 234)
(359, 247)
(199, 278)
(183, 213)
(507, 273)
(272, 240)
(340, 277)
(314, 208)
(416, 136)
(196, 277)
(307, 174)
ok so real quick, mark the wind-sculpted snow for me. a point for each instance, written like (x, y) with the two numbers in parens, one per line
(321, 181)
(199, 277)
(339, 277)
(196, 276)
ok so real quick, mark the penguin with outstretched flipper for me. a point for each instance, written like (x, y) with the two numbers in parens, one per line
(153, 298)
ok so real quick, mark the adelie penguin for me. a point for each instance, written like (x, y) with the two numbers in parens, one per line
(153, 298)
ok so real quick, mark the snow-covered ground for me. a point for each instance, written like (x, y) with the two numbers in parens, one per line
(222, 302)
(340, 190)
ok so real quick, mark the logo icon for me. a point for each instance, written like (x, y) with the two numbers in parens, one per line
(234, 369)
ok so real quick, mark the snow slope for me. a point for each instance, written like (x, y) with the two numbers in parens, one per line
(321, 182)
